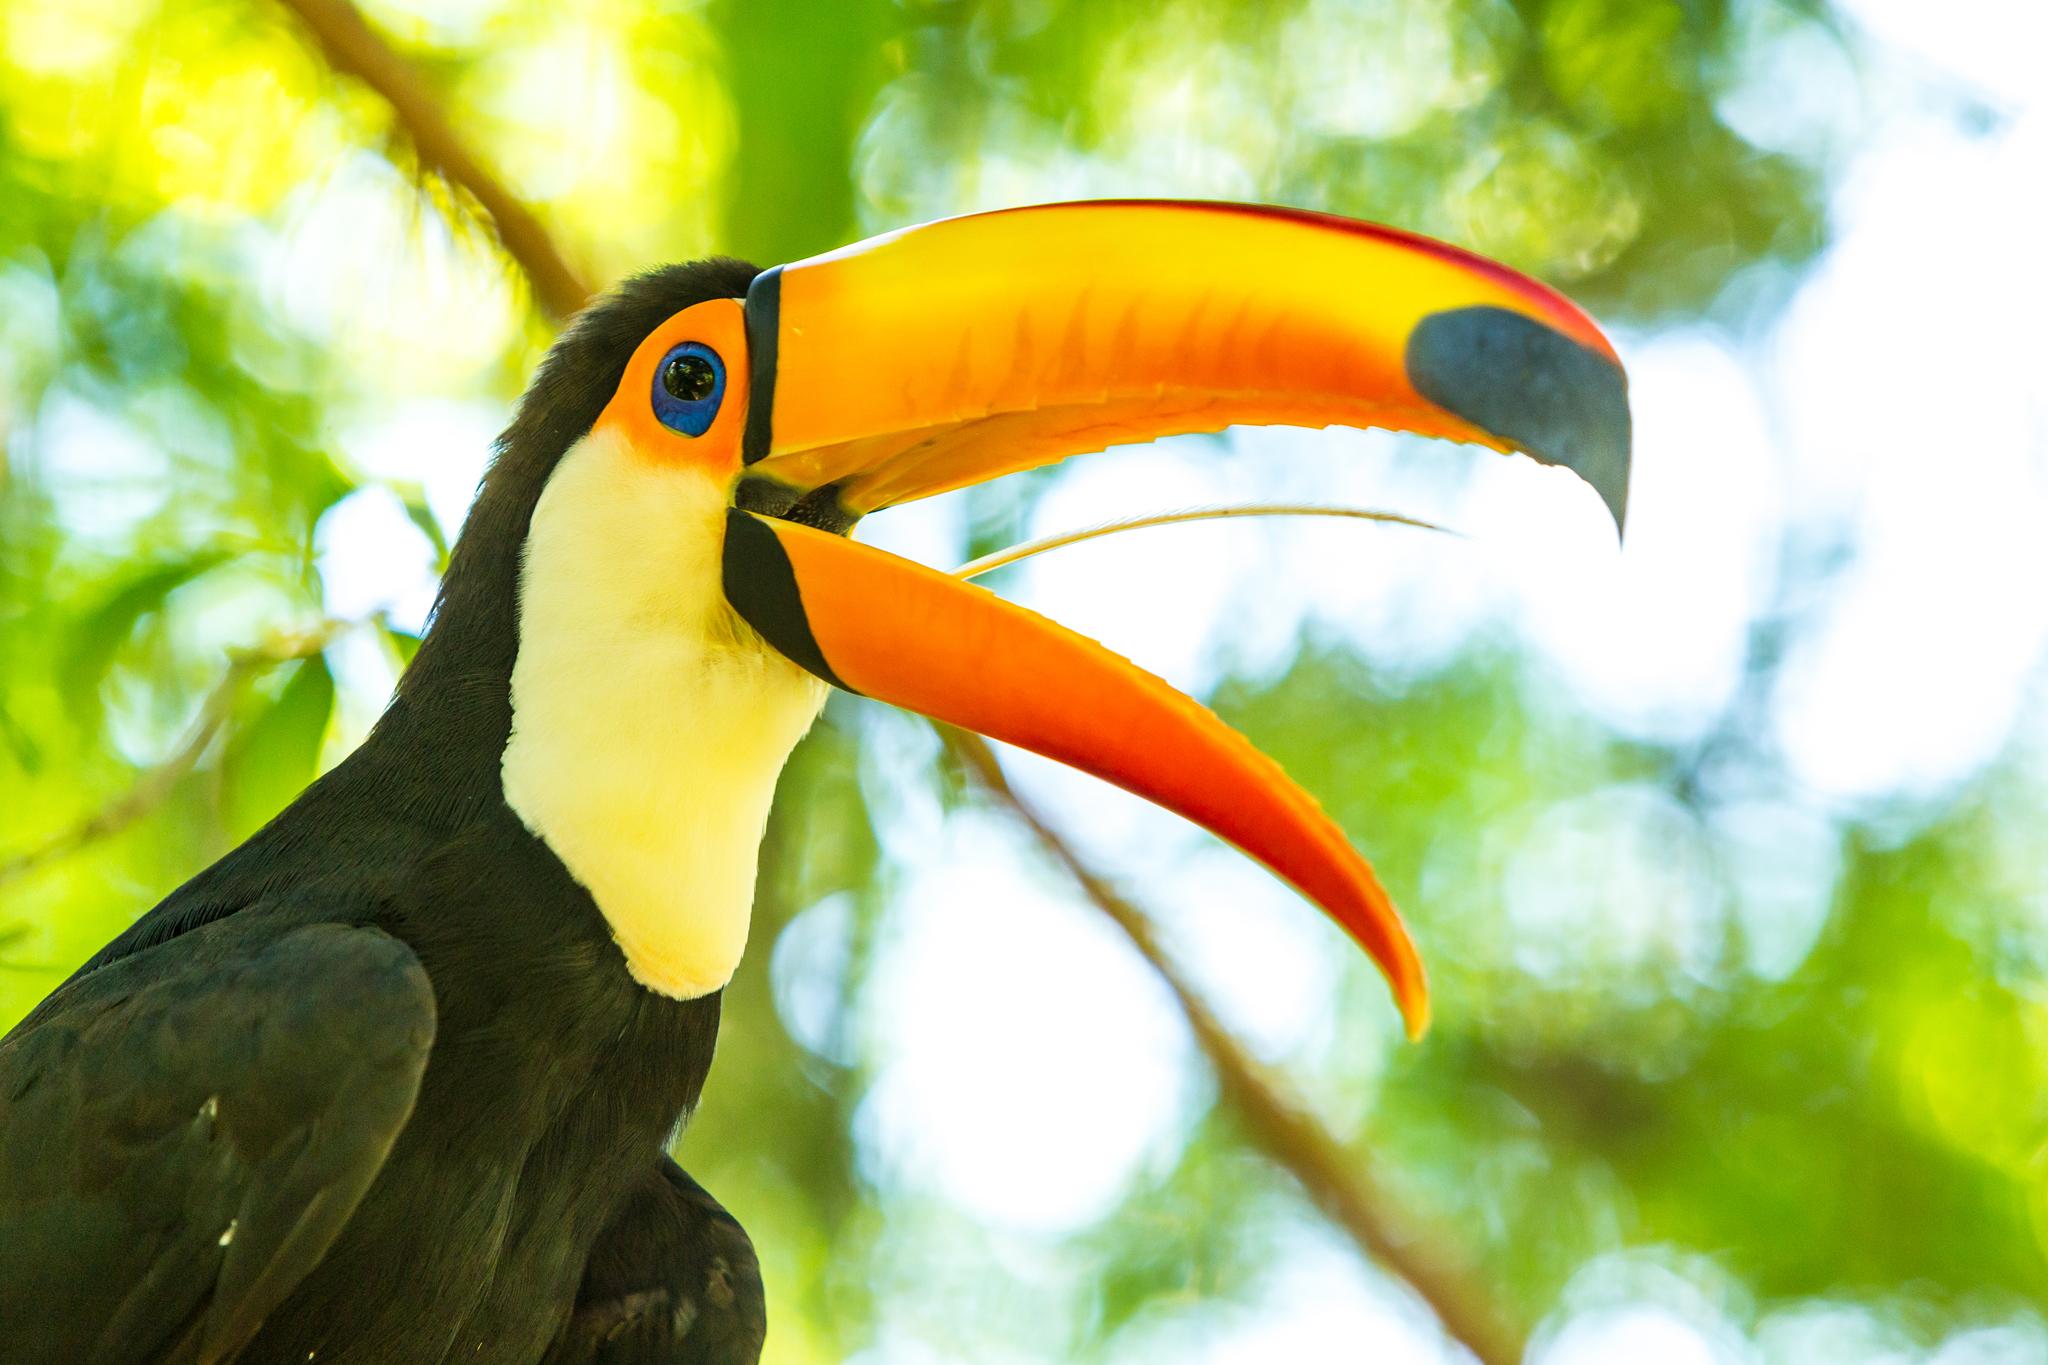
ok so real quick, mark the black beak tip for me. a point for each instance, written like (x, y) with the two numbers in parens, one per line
(1533, 387)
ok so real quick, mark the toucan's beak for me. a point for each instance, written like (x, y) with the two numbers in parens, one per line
(950, 354)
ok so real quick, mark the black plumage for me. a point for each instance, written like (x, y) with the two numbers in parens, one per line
(376, 1086)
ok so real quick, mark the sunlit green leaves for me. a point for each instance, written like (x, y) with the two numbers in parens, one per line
(104, 626)
(1578, 139)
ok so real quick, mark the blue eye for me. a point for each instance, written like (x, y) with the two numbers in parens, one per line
(689, 384)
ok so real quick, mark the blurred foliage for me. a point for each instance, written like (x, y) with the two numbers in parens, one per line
(220, 267)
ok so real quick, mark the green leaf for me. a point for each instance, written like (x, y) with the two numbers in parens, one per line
(402, 643)
(28, 754)
(272, 758)
(419, 514)
(103, 629)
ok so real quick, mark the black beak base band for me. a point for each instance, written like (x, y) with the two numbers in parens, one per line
(764, 326)
(761, 586)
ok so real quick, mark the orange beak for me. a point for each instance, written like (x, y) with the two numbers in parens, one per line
(953, 353)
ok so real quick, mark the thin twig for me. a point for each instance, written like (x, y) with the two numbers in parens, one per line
(155, 786)
(989, 563)
(351, 45)
(1335, 1178)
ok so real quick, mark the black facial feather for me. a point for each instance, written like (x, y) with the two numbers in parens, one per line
(474, 621)
(431, 766)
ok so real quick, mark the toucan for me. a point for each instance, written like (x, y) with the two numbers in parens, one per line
(395, 1080)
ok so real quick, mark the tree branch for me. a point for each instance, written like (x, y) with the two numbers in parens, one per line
(351, 45)
(1336, 1179)
(155, 786)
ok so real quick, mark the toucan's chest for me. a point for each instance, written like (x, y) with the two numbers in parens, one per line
(554, 1083)
(649, 725)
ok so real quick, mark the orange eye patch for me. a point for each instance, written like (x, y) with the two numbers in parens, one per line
(684, 393)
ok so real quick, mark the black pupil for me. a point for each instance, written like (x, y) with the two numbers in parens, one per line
(689, 378)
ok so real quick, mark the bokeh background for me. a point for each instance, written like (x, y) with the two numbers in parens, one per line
(1725, 849)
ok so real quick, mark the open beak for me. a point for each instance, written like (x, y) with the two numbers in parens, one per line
(953, 353)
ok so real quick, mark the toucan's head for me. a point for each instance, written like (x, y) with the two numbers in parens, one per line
(687, 588)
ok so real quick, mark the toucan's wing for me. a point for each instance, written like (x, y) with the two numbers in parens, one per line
(672, 1281)
(184, 1132)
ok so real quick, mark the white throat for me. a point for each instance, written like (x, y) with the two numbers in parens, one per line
(648, 723)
